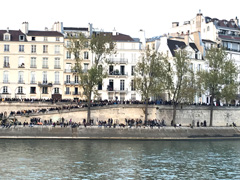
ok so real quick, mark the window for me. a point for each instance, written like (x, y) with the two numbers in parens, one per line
(57, 63)
(132, 70)
(132, 85)
(133, 46)
(208, 28)
(85, 67)
(33, 62)
(85, 55)
(75, 91)
(68, 55)
(33, 49)
(57, 39)
(45, 39)
(68, 44)
(68, 67)
(67, 90)
(133, 97)
(21, 48)
(32, 90)
(45, 77)
(21, 38)
(199, 67)
(45, 63)
(57, 49)
(67, 78)
(6, 37)
(6, 48)
(45, 48)
(6, 62)
(5, 76)
(44, 90)
(21, 62)
(33, 38)
(20, 90)
(33, 76)
(5, 90)
(20, 77)
(57, 78)
(122, 84)
(134, 57)
(76, 79)
(56, 90)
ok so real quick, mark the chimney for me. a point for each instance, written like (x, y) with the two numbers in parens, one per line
(7, 29)
(114, 32)
(90, 29)
(46, 29)
(58, 26)
(142, 38)
(24, 27)
(237, 21)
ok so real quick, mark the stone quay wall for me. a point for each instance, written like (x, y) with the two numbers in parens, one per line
(94, 132)
(222, 116)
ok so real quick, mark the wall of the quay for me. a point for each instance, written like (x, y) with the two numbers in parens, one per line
(185, 115)
(171, 133)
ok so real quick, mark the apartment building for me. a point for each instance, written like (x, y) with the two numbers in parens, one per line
(32, 63)
(206, 32)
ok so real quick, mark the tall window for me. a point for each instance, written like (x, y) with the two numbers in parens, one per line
(57, 49)
(21, 48)
(45, 90)
(68, 55)
(21, 62)
(132, 85)
(45, 63)
(57, 63)
(6, 62)
(6, 37)
(20, 90)
(57, 39)
(33, 77)
(33, 48)
(5, 90)
(5, 76)
(20, 77)
(57, 78)
(76, 79)
(45, 39)
(45, 77)
(85, 67)
(85, 55)
(132, 70)
(67, 78)
(6, 48)
(122, 84)
(32, 90)
(33, 62)
(45, 48)
(67, 90)
(56, 90)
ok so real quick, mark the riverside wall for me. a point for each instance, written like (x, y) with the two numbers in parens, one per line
(163, 133)
(222, 116)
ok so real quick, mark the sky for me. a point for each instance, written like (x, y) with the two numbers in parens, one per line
(155, 17)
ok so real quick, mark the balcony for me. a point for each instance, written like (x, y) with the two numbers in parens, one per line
(120, 90)
(57, 83)
(67, 93)
(75, 93)
(118, 61)
(70, 71)
(33, 66)
(33, 82)
(21, 65)
(45, 84)
(5, 81)
(6, 65)
(71, 83)
(118, 74)
(45, 66)
(57, 67)
(20, 81)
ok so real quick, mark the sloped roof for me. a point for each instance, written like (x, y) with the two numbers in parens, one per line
(14, 35)
(193, 46)
(118, 37)
(75, 29)
(45, 33)
(174, 45)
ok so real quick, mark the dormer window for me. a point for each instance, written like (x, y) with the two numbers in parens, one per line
(6, 37)
(21, 38)
(33, 38)
(225, 22)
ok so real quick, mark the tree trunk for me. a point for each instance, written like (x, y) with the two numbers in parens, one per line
(146, 110)
(211, 111)
(174, 113)
(89, 109)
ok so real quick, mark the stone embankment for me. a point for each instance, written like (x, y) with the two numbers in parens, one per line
(94, 132)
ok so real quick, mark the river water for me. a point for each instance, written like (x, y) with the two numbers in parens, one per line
(121, 159)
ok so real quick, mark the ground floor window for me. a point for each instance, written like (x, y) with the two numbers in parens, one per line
(45, 90)
(56, 90)
(32, 90)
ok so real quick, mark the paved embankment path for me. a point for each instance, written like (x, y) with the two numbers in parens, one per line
(163, 133)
